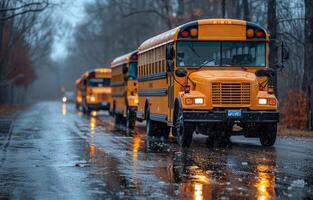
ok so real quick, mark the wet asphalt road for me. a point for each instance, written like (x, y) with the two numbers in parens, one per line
(54, 152)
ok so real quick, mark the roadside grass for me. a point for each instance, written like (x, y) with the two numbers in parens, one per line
(295, 133)
(6, 109)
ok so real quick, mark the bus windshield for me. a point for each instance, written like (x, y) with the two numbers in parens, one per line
(209, 54)
(99, 82)
(133, 70)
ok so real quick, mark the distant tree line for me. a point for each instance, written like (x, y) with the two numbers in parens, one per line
(25, 36)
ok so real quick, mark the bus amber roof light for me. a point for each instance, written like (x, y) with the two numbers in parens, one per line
(250, 33)
(185, 34)
(194, 32)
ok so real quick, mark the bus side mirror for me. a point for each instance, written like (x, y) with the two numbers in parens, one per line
(170, 52)
(268, 73)
(170, 58)
(180, 72)
(170, 65)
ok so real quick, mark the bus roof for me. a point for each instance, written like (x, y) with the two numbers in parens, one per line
(172, 35)
(95, 71)
(77, 82)
(125, 58)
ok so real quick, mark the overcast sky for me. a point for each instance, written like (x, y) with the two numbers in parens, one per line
(71, 12)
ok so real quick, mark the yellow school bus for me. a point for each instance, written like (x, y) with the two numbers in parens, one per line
(211, 77)
(78, 93)
(124, 88)
(96, 90)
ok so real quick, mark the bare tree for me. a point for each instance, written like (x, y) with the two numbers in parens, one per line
(308, 63)
(272, 28)
(20, 7)
(246, 10)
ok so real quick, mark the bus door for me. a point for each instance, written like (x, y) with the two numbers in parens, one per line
(170, 81)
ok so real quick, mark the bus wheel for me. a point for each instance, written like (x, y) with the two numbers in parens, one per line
(87, 111)
(76, 106)
(130, 119)
(268, 134)
(183, 131)
(150, 125)
(118, 119)
(165, 130)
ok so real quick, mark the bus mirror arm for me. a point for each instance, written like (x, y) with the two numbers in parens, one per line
(170, 65)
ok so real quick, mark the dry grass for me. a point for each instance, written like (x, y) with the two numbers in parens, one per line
(10, 108)
(295, 133)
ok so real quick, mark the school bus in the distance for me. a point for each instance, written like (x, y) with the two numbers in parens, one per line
(78, 93)
(211, 77)
(124, 89)
(96, 90)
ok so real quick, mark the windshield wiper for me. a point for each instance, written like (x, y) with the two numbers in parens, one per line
(194, 50)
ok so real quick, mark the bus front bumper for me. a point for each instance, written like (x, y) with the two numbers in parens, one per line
(225, 116)
(99, 106)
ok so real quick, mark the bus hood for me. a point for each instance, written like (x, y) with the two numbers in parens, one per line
(222, 75)
(101, 89)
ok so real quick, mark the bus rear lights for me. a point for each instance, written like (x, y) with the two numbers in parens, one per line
(199, 101)
(250, 33)
(262, 101)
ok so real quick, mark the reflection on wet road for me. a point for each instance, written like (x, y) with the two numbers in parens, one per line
(56, 152)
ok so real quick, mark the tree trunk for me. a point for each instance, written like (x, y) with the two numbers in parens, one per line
(181, 11)
(246, 10)
(308, 61)
(272, 27)
(223, 8)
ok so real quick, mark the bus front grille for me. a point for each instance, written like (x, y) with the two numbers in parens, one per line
(231, 93)
(103, 96)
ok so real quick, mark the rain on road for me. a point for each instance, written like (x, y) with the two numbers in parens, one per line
(55, 152)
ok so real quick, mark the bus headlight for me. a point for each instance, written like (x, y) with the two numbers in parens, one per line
(199, 101)
(262, 101)
(64, 99)
(92, 98)
(136, 100)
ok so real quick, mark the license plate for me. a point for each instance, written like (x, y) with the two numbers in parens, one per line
(234, 113)
(104, 103)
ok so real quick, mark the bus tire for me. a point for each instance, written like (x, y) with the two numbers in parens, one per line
(113, 110)
(165, 130)
(87, 111)
(182, 130)
(76, 106)
(118, 119)
(268, 133)
(150, 125)
(130, 119)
